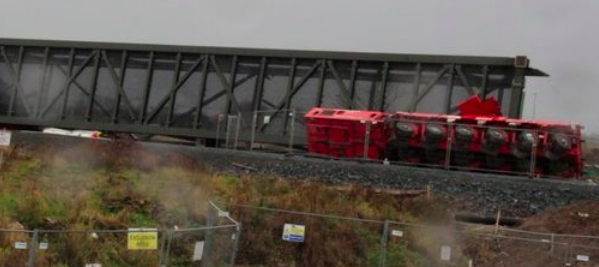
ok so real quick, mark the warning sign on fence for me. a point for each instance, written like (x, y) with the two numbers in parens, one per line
(582, 257)
(445, 253)
(5, 137)
(142, 238)
(397, 233)
(294, 232)
(21, 245)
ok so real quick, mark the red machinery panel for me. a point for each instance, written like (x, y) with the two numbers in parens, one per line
(342, 133)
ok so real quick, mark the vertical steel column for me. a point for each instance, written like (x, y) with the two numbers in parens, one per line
(123, 68)
(323, 70)
(516, 92)
(202, 94)
(449, 89)
(93, 86)
(16, 78)
(67, 84)
(147, 88)
(259, 87)
(416, 87)
(352, 84)
(257, 100)
(500, 99)
(36, 112)
(173, 94)
(230, 94)
(290, 83)
(372, 96)
(384, 85)
(484, 82)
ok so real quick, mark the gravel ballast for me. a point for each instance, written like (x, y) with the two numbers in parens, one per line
(477, 193)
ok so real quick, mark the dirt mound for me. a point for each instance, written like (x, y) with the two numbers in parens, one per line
(570, 226)
(579, 219)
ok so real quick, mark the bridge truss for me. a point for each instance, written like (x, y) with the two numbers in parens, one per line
(190, 91)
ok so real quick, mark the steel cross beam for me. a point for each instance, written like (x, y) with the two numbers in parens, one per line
(294, 89)
(429, 87)
(16, 77)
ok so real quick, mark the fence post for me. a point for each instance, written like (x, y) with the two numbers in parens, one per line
(447, 163)
(169, 234)
(384, 241)
(235, 246)
(218, 123)
(291, 130)
(32, 248)
(253, 130)
(237, 129)
(366, 138)
(567, 255)
(210, 221)
(552, 242)
(162, 252)
(227, 132)
(497, 222)
(533, 155)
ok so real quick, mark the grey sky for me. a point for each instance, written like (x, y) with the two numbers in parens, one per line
(559, 36)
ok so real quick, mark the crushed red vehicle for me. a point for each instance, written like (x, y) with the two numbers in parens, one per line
(478, 139)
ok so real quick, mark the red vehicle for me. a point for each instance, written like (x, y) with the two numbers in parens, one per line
(476, 139)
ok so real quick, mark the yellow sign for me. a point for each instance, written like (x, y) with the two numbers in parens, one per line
(142, 238)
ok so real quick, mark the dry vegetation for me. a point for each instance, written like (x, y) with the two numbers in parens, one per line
(121, 185)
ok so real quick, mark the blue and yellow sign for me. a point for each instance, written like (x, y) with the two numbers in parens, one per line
(294, 232)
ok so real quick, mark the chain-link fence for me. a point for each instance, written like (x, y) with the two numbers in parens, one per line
(267, 129)
(269, 239)
(211, 245)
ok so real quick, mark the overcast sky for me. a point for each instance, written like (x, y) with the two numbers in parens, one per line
(560, 36)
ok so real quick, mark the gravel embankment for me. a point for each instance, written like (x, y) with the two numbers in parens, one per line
(478, 193)
(474, 192)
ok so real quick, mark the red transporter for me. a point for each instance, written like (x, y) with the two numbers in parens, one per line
(477, 139)
(343, 133)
